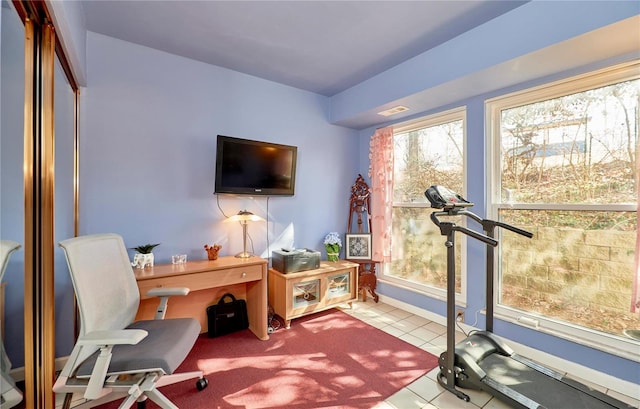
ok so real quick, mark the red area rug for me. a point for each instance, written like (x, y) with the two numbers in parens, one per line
(325, 360)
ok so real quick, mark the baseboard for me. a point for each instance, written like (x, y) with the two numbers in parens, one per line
(18, 373)
(588, 374)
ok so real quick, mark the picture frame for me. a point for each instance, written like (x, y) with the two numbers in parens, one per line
(358, 246)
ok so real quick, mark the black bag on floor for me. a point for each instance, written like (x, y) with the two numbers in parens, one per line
(226, 317)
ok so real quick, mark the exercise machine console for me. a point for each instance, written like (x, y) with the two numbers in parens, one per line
(483, 361)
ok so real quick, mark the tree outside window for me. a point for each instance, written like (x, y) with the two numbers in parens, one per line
(431, 154)
(568, 173)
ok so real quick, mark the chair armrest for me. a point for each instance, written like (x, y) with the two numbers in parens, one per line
(115, 337)
(106, 340)
(166, 291)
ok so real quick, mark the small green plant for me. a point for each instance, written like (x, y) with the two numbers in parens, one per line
(146, 248)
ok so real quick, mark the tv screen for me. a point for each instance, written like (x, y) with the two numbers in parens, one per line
(246, 167)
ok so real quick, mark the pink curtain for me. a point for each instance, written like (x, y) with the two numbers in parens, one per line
(635, 297)
(381, 175)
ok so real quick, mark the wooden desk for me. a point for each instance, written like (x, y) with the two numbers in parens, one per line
(208, 280)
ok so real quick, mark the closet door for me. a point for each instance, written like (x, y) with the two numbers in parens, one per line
(48, 172)
(12, 105)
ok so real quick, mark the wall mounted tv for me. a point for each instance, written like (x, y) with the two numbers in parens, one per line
(246, 167)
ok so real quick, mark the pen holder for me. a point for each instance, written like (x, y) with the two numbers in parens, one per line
(212, 251)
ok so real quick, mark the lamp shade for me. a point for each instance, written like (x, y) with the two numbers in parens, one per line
(244, 217)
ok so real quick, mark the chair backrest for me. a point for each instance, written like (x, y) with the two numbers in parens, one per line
(6, 248)
(103, 280)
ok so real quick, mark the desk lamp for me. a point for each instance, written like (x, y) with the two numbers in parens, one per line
(244, 217)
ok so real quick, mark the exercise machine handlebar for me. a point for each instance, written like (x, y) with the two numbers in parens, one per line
(447, 227)
(487, 224)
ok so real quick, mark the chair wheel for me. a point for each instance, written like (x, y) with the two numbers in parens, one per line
(202, 383)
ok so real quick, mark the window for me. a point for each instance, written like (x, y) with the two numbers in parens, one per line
(426, 152)
(564, 167)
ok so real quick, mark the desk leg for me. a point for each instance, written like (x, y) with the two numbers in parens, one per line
(257, 307)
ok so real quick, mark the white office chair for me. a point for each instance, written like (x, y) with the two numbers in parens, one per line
(113, 356)
(10, 395)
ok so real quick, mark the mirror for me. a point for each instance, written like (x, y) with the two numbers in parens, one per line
(14, 175)
(12, 75)
(64, 102)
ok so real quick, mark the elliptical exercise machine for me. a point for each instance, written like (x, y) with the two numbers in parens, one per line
(482, 361)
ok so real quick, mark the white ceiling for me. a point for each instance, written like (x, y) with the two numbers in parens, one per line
(320, 46)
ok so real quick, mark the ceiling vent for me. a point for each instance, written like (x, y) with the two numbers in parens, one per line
(393, 111)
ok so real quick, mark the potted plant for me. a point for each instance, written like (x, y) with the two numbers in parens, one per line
(333, 244)
(144, 255)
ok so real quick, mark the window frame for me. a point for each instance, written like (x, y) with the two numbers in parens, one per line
(439, 118)
(614, 344)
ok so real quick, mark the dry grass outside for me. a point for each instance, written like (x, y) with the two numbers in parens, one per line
(426, 276)
(592, 316)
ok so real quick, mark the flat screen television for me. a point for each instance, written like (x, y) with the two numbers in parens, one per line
(246, 167)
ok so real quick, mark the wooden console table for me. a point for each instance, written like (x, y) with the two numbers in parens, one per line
(294, 295)
(208, 280)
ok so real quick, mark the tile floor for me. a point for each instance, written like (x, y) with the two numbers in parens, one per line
(430, 336)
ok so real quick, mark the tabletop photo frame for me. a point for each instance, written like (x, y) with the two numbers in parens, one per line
(358, 246)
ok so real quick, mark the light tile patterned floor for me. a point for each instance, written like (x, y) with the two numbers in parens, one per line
(430, 336)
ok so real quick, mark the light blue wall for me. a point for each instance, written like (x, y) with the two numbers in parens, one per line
(149, 126)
